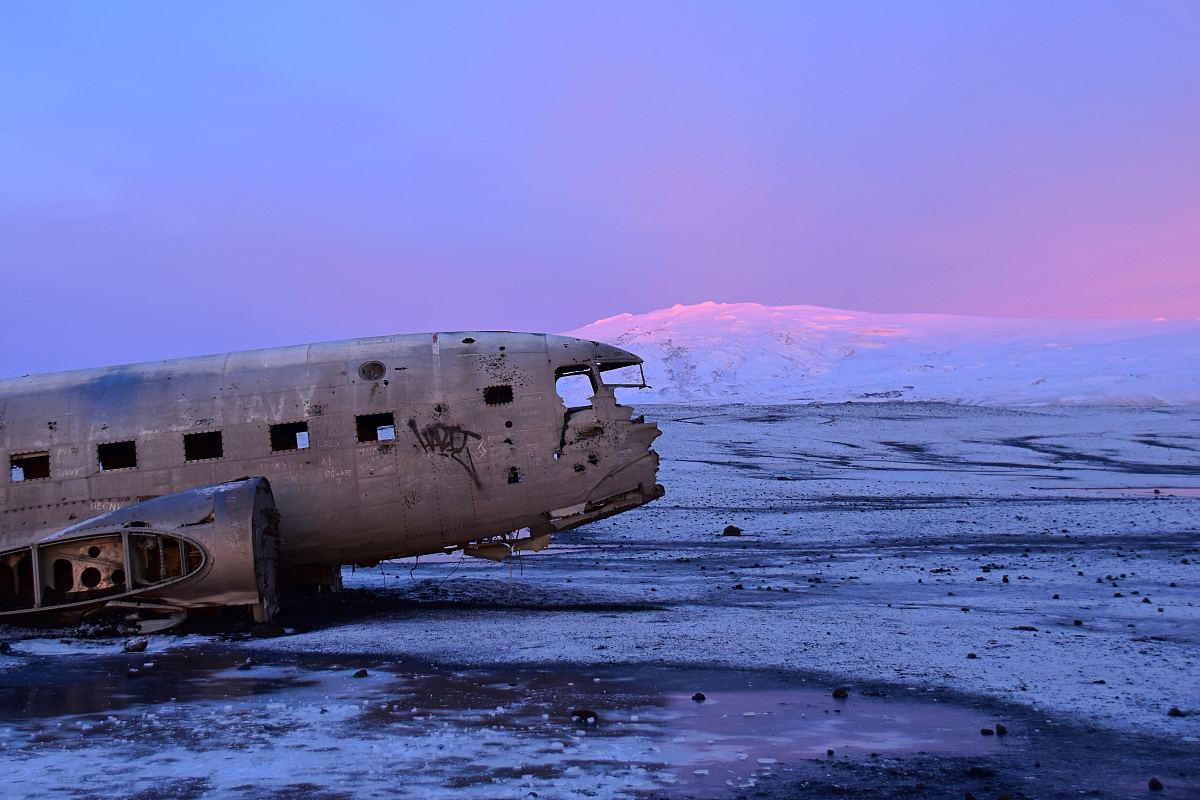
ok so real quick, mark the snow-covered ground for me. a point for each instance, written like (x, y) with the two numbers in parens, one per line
(906, 535)
(1012, 565)
(723, 352)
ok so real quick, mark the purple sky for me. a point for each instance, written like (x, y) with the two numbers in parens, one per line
(180, 178)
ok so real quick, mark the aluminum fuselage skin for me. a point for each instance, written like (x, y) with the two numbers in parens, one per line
(459, 469)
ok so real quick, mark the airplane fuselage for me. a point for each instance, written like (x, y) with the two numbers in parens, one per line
(374, 448)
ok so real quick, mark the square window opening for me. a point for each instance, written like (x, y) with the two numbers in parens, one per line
(116, 455)
(289, 436)
(203, 446)
(29, 466)
(498, 395)
(376, 427)
(574, 385)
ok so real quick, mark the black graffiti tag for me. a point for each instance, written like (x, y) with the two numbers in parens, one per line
(450, 441)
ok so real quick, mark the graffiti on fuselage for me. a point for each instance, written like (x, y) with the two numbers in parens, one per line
(448, 440)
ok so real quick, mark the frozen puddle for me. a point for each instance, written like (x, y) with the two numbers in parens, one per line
(191, 723)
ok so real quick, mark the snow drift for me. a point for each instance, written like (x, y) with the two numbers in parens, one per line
(747, 352)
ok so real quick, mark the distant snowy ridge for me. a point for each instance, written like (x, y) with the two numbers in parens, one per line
(746, 352)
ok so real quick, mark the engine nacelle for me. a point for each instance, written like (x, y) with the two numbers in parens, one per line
(210, 546)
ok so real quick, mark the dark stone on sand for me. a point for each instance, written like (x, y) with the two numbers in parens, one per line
(362, 673)
(699, 697)
(829, 753)
(986, 732)
(137, 645)
(972, 655)
(1001, 730)
(1025, 628)
(585, 715)
(1155, 785)
(267, 630)
(1078, 622)
(247, 664)
(841, 693)
(5, 647)
(1146, 600)
(980, 772)
(731, 530)
(1055, 597)
(738, 586)
(1175, 711)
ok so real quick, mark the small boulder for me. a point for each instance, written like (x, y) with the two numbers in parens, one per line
(585, 715)
(362, 673)
(1155, 785)
(731, 530)
(5, 648)
(1175, 711)
(972, 655)
(986, 732)
(841, 693)
(699, 697)
(137, 645)
(1001, 730)
(266, 630)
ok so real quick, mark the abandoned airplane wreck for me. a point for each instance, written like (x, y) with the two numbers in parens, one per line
(214, 481)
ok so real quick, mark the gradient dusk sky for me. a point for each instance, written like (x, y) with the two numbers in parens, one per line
(184, 178)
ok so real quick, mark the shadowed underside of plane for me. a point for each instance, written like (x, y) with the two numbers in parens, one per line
(211, 481)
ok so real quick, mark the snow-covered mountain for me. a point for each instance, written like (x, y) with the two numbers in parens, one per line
(746, 352)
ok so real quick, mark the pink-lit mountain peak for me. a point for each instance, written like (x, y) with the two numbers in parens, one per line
(755, 353)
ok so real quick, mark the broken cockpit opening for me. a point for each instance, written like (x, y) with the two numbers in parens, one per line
(577, 384)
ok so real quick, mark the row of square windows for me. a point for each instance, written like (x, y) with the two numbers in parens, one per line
(200, 446)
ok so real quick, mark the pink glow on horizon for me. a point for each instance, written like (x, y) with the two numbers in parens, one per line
(292, 172)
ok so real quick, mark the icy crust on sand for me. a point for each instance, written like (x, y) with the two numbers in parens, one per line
(730, 352)
(901, 539)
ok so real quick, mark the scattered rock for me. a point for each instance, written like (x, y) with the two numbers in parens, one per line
(1001, 730)
(829, 753)
(5, 648)
(1055, 597)
(972, 655)
(1078, 622)
(699, 697)
(1175, 711)
(731, 530)
(1155, 785)
(738, 586)
(267, 630)
(362, 673)
(137, 645)
(585, 715)
(986, 732)
(1025, 628)
(1146, 600)
(841, 693)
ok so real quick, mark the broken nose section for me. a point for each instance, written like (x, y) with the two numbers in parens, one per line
(631, 485)
(562, 519)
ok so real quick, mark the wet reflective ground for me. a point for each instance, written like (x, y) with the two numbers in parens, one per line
(190, 719)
